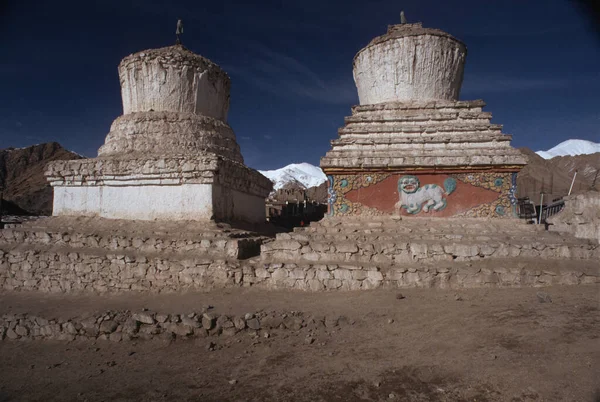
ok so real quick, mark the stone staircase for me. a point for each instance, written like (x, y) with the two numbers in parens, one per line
(115, 236)
(62, 254)
(96, 255)
(368, 253)
(391, 242)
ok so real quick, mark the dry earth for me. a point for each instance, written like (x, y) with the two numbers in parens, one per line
(432, 345)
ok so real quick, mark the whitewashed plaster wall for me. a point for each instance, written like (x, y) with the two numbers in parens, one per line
(153, 83)
(419, 67)
(151, 202)
(184, 202)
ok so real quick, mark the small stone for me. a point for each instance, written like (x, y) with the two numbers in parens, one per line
(392, 396)
(208, 321)
(248, 316)
(390, 321)
(211, 346)
(115, 337)
(544, 297)
(309, 340)
(162, 318)
(377, 384)
(458, 298)
(224, 322)
(108, 326)
(229, 331)
(144, 318)
(190, 321)
(400, 296)
(181, 330)
(130, 326)
(253, 323)
(239, 323)
(233, 382)
(266, 334)
(21, 330)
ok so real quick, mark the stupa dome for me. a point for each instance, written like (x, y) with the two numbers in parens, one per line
(173, 79)
(410, 63)
(175, 102)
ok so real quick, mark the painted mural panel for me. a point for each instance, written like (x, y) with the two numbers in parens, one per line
(443, 195)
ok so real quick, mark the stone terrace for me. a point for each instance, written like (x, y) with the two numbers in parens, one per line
(394, 241)
(364, 254)
(85, 255)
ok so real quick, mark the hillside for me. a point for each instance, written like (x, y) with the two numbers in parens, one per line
(553, 176)
(22, 178)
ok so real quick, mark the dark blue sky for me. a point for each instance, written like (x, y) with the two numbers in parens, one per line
(535, 63)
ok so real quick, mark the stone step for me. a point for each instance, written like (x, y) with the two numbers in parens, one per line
(396, 224)
(420, 117)
(411, 250)
(68, 269)
(385, 114)
(440, 238)
(506, 272)
(421, 151)
(381, 160)
(476, 105)
(405, 129)
(206, 243)
(420, 139)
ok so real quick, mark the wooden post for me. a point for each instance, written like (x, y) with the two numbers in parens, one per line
(573, 182)
(541, 208)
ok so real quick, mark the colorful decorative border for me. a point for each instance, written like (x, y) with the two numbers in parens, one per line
(504, 183)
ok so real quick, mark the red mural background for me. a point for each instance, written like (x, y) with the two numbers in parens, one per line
(384, 195)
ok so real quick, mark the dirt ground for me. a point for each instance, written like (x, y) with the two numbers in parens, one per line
(489, 345)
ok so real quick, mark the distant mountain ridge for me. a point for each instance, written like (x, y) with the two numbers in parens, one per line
(572, 147)
(22, 178)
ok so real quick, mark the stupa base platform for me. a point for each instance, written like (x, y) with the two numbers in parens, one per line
(80, 254)
(205, 188)
(98, 256)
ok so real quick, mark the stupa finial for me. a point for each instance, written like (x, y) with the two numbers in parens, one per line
(402, 17)
(179, 31)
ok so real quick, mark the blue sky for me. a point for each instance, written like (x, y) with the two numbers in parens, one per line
(534, 62)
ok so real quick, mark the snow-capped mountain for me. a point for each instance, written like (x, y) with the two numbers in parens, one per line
(571, 147)
(302, 174)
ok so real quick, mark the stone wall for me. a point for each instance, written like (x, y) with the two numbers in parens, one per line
(125, 325)
(469, 194)
(55, 270)
(580, 217)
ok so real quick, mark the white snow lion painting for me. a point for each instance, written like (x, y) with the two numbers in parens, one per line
(415, 198)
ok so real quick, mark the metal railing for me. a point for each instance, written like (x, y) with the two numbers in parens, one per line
(551, 209)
